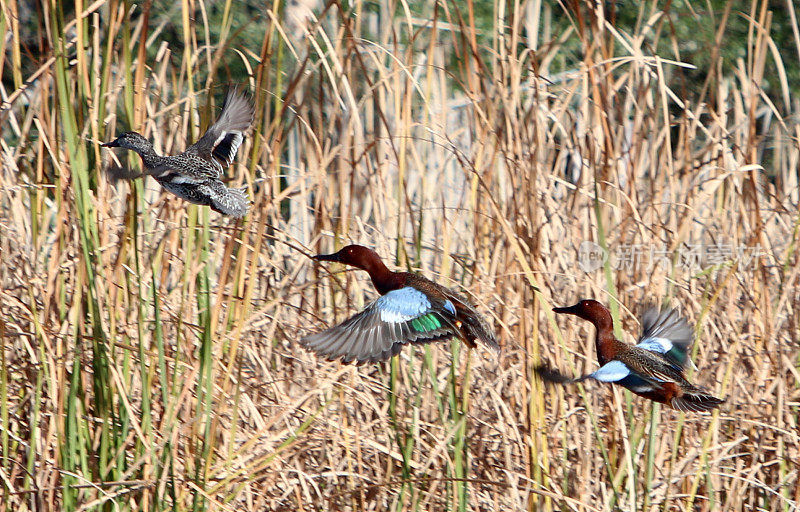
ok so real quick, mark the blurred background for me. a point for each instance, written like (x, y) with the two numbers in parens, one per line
(530, 153)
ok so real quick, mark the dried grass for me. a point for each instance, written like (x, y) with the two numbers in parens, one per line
(150, 354)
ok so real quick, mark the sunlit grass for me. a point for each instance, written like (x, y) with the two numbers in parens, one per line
(150, 356)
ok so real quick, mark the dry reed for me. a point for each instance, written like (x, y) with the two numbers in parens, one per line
(150, 357)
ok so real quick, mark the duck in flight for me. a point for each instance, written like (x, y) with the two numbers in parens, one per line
(195, 174)
(411, 309)
(653, 368)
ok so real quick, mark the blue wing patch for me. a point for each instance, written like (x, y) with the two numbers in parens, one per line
(450, 307)
(659, 345)
(402, 305)
(611, 372)
(676, 355)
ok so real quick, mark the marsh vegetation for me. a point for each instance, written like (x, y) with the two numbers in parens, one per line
(150, 357)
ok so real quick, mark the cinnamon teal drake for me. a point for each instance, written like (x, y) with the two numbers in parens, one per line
(411, 309)
(195, 174)
(654, 368)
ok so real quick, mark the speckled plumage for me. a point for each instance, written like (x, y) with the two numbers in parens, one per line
(194, 175)
(654, 368)
(473, 326)
(412, 309)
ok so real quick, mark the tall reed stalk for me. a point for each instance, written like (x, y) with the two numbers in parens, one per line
(150, 357)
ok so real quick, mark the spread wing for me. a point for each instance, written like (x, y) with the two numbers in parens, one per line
(666, 332)
(224, 137)
(649, 371)
(612, 371)
(378, 332)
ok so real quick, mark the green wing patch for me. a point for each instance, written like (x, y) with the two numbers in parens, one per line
(678, 355)
(426, 323)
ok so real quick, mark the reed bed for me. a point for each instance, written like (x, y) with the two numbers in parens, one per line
(150, 353)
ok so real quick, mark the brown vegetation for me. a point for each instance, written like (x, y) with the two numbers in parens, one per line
(150, 354)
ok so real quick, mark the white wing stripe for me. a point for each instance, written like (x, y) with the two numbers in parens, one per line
(178, 179)
(394, 317)
(219, 139)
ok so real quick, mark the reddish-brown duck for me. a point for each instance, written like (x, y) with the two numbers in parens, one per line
(654, 368)
(411, 309)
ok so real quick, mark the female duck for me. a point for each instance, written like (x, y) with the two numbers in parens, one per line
(195, 174)
(411, 309)
(654, 368)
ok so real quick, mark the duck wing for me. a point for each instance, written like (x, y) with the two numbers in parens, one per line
(209, 192)
(696, 400)
(637, 369)
(473, 325)
(666, 332)
(659, 368)
(652, 365)
(401, 316)
(223, 138)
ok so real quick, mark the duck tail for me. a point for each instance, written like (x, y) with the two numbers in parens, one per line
(696, 401)
(473, 328)
(472, 325)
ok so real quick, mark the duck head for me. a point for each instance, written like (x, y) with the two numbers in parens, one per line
(356, 256)
(590, 310)
(129, 140)
(366, 259)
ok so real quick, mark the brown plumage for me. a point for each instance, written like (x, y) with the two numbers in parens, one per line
(654, 368)
(411, 309)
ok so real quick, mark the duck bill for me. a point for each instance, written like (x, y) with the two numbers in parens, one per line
(113, 144)
(569, 310)
(327, 257)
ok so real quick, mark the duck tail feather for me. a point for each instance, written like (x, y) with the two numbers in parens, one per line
(696, 401)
